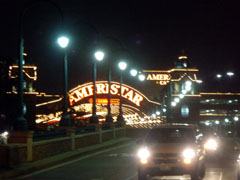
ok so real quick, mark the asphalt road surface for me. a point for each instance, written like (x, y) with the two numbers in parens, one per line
(119, 163)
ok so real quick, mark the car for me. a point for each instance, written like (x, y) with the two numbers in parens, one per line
(211, 142)
(238, 167)
(171, 149)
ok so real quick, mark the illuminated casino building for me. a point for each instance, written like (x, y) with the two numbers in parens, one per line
(8, 95)
(171, 95)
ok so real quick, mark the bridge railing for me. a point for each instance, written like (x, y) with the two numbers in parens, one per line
(28, 146)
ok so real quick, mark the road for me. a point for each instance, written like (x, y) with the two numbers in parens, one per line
(119, 163)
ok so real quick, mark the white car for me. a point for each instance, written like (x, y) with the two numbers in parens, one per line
(171, 149)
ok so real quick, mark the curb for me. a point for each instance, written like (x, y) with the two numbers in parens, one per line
(26, 168)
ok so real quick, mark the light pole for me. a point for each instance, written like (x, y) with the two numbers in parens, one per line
(20, 123)
(65, 121)
(99, 55)
(109, 118)
(122, 65)
(235, 119)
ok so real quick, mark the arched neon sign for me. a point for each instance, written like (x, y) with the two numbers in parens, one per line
(86, 90)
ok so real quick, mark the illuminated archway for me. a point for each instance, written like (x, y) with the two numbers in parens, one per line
(86, 90)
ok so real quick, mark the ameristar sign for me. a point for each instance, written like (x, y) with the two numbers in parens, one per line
(162, 78)
(86, 90)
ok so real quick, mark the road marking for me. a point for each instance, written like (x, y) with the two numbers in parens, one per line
(72, 161)
(112, 155)
(221, 174)
(131, 177)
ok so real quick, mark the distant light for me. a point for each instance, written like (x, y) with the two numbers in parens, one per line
(164, 110)
(173, 103)
(63, 42)
(199, 81)
(185, 111)
(158, 113)
(207, 100)
(122, 65)
(226, 120)
(219, 76)
(184, 91)
(181, 96)
(230, 101)
(182, 57)
(188, 83)
(176, 100)
(188, 88)
(236, 118)
(5, 133)
(154, 115)
(230, 74)
(141, 77)
(133, 72)
(99, 55)
(207, 123)
(217, 122)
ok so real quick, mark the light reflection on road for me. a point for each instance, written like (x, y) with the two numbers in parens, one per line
(210, 175)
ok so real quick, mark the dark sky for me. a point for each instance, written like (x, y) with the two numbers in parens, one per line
(153, 33)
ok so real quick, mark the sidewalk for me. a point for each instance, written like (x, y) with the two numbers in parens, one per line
(54, 160)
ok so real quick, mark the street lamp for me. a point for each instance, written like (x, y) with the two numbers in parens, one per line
(218, 76)
(141, 77)
(99, 55)
(65, 121)
(230, 74)
(122, 65)
(133, 72)
(20, 123)
(236, 118)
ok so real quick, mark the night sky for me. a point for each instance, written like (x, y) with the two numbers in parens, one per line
(153, 34)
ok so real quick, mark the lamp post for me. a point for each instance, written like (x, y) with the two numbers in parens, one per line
(109, 118)
(99, 55)
(20, 123)
(65, 121)
(235, 119)
(122, 65)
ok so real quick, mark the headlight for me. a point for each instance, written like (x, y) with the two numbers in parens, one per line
(238, 160)
(211, 144)
(188, 155)
(143, 155)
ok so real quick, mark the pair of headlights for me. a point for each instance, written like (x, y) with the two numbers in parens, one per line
(211, 144)
(144, 155)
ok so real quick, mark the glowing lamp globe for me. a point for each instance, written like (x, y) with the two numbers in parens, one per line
(133, 72)
(141, 77)
(122, 65)
(99, 55)
(63, 42)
